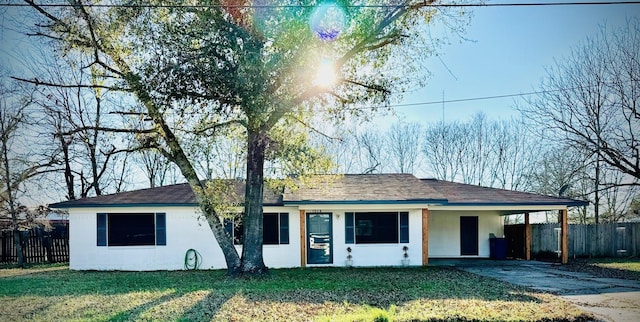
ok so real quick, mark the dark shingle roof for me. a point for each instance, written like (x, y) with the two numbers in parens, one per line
(366, 188)
(466, 194)
(172, 195)
(343, 189)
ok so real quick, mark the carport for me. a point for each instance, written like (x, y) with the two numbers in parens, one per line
(465, 197)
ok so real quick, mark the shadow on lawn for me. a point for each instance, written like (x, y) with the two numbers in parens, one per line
(203, 294)
(135, 312)
(365, 285)
(207, 308)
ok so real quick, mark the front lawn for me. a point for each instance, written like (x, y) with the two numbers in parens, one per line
(332, 294)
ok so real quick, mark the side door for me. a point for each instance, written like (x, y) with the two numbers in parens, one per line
(469, 235)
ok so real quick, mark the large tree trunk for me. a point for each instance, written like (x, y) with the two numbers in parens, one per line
(252, 259)
(176, 155)
(224, 240)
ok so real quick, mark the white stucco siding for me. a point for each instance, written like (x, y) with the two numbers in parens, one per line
(375, 254)
(444, 232)
(184, 230)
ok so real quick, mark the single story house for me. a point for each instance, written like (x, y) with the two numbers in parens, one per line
(375, 218)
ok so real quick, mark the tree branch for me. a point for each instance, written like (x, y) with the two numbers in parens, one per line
(373, 87)
(38, 82)
(216, 126)
(107, 129)
(307, 125)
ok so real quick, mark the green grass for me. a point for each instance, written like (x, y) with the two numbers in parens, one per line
(626, 264)
(48, 293)
(625, 268)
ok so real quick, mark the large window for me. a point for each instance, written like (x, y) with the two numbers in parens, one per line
(376, 227)
(133, 229)
(275, 229)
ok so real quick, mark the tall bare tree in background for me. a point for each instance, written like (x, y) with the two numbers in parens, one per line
(404, 141)
(341, 146)
(443, 147)
(371, 153)
(561, 171)
(154, 166)
(79, 121)
(514, 154)
(590, 100)
(483, 152)
(19, 162)
(221, 155)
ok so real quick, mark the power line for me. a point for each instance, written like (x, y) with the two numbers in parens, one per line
(381, 6)
(481, 98)
(470, 99)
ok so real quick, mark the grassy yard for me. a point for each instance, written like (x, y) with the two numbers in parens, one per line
(54, 293)
(627, 268)
(627, 264)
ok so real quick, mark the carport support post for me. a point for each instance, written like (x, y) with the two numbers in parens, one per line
(425, 237)
(564, 231)
(303, 239)
(527, 237)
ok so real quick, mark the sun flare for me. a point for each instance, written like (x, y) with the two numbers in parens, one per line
(326, 76)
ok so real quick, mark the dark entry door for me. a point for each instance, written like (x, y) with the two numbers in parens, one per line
(469, 235)
(319, 239)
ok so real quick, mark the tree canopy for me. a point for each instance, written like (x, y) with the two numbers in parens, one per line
(199, 68)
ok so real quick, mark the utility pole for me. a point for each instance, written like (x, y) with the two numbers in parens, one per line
(443, 107)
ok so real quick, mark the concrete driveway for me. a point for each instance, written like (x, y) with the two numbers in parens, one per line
(608, 298)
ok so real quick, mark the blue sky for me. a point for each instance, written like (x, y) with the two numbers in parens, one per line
(508, 52)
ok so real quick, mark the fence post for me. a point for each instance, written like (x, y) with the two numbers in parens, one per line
(46, 241)
(3, 241)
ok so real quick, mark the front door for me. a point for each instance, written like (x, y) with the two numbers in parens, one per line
(469, 235)
(319, 239)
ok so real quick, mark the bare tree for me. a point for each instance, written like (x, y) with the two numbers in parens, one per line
(404, 140)
(615, 195)
(477, 160)
(18, 162)
(562, 171)
(483, 152)
(443, 148)
(341, 146)
(371, 151)
(78, 121)
(514, 153)
(590, 100)
(154, 165)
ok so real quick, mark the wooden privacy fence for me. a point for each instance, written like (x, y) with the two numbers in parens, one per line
(38, 246)
(601, 240)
